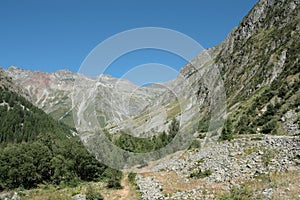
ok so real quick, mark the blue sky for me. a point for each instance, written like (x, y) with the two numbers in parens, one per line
(53, 35)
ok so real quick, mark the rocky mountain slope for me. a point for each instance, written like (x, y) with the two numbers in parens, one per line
(52, 92)
(48, 91)
(37, 149)
(258, 62)
(253, 167)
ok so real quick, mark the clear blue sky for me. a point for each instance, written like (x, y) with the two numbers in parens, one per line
(57, 34)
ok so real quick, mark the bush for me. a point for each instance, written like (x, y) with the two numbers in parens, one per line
(200, 174)
(237, 193)
(92, 194)
(115, 177)
(227, 132)
(131, 177)
(195, 145)
(269, 127)
(203, 125)
(113, 183)
(173, 129)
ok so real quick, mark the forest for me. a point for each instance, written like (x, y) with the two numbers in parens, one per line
(36, 149)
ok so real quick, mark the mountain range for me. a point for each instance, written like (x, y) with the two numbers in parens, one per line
(258, 63)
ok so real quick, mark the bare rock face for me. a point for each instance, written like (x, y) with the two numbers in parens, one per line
(115, 100)
(7, 82)
(45, 89)
(49, 91)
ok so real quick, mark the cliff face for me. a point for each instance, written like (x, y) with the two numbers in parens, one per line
(265, 44)
(259, 62)
(7, 82)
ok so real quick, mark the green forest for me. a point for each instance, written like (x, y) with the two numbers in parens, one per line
(36, 149)
(143, 145)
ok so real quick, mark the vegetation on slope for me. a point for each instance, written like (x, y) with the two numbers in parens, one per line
(261, 71)
(36, 149)
(143, 145)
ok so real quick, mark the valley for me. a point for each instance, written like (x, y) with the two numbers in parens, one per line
(232, 117)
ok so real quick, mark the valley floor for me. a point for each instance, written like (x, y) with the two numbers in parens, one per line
(250, 167)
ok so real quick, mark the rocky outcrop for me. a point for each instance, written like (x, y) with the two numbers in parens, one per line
(79, 197)
(7, 82)
(149, 187)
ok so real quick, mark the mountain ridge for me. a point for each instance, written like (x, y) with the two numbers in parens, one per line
(242, 75)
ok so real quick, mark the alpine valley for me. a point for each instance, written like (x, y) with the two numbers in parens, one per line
(240, 100)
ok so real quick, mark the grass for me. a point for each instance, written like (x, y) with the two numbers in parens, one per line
(51, 192)
(251, 150)
(284, 186)
(64, 115)
(173, 109)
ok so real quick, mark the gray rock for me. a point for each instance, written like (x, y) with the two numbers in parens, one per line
(79, 197)
(5, 195)
(15, 196)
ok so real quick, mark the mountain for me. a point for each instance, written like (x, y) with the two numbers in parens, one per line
(36, 149)
(260, 64)
(258, 59)
(48, 91)
(52, 92)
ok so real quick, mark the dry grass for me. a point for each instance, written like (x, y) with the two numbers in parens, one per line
(128, 191)
(285, 185)
(174, 183)
(46, 194)
(56, 193)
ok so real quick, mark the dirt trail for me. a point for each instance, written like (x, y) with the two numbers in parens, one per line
(126, 193)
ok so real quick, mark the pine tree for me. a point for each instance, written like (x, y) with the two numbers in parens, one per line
(227, 132)
(173, 129)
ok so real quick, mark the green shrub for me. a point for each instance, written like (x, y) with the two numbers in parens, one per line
(203, 125)
(114, 178)
(227, 131)
(267, 156)
(237, 193)
(269, 127)
(195, 145)
(200, 174)
(131, 177)
(92, 194)
(113, 183)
